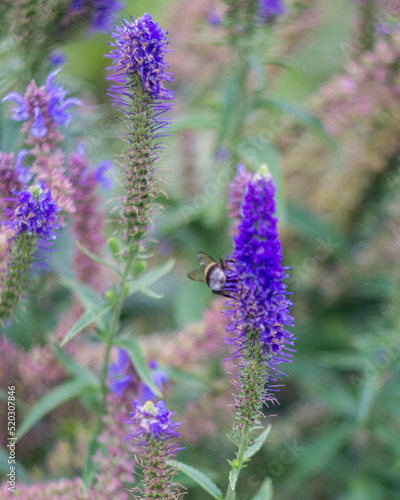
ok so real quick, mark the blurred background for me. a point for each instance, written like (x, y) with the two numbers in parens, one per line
(320, 104)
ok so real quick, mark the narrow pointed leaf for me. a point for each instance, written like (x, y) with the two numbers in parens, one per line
(310, 122)
(87, 296)
(86, 320)
(265, 492)
(98, 259)
(139, 361)
(151, 277)
(52, 400)
(257, 444)
(201, 479)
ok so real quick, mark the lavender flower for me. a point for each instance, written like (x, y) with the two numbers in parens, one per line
(155, 434)
(121, 376)
(35, 212)
(269, 9)
(103, 15)
(32, 222)
(118, 378)
(140, 72)
(140, 47)
(262, 304)
(43, 108)
(259, 308)
(98, 13)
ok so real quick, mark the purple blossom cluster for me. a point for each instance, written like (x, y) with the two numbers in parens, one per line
(121, 376)
(261, 304)
(34, 212)
(259, 310)
(101, 13)
(152, 422)
(268, 9)
(44, 108)
(140, 47)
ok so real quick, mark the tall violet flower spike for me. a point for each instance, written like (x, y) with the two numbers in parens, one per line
(259, 308)
(155, 435)
(32, 222)
(140, 73)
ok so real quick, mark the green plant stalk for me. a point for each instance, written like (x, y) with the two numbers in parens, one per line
(112, 331)
(230, 493)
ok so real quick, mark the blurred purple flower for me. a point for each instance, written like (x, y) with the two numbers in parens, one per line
(159, 377)
(118, 378)
(271, 8)
(57, 58)
(99, 175)
(44, 107)
(104, 13)
(23, 172)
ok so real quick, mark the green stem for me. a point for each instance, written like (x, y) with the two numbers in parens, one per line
(112, 331)
(230, 493)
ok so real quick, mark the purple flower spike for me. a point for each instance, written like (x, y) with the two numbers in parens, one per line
(140, 47)
(34, 212)
(262, 305)
(152, 431)
(152, 421)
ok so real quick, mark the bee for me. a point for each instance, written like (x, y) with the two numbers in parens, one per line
(212, 273)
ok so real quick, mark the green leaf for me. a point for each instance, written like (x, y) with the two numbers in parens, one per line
(139, 361)
(230, 101)
(200, 478)
(257, 444)
(86, 295)
(314, 455)
(371, 388)
(52, 400)
(193, 121)
(86, 320)
(307, 224)
(311, 123)
(96, 258)
(149, 292)
(265, 492)
(22, 475)
(151, 277)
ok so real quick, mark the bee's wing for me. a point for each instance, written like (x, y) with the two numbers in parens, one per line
(196, 275)
(204, 260)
